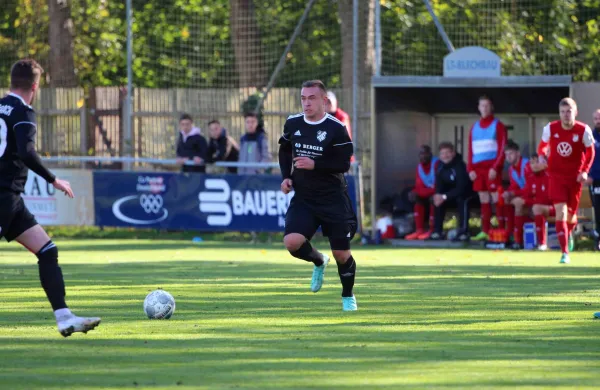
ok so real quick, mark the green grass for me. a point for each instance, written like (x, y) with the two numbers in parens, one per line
(245, 319)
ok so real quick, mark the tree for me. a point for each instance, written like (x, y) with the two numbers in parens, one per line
(60, 38)
(245, 35)
(366, 33)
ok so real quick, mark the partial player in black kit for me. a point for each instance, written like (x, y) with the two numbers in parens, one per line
(17, 156)
(314, 153)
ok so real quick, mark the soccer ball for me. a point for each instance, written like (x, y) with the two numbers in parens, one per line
(159, 305)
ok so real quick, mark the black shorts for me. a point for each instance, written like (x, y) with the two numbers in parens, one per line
(15, 219)
(337, 220)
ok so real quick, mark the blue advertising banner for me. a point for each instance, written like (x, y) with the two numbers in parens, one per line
(192, 201)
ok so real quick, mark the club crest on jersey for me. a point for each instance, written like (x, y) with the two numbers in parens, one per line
(575, 138)
(564, 149)
(321, 135)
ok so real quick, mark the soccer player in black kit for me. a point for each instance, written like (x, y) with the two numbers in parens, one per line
(314, 153)
(17, 155)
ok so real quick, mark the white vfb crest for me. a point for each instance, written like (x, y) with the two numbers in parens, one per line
(321, 135)
(575, 138)
(564, 149)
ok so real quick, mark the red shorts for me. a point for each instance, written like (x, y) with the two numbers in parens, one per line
(565, 190)
(482, 183)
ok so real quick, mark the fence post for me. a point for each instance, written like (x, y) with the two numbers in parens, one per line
(83, 147)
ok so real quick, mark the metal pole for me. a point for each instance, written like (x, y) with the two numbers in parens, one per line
(128, 98)
(282, 59)
(355, 76)
(439, 26)
(377, 38)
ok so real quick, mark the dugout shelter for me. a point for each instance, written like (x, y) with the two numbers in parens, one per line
(409, 111)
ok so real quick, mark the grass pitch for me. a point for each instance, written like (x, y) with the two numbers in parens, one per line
(246, 319)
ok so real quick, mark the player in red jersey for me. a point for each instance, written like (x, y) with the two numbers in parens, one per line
(486, 162)
(568, 146)
(538, 199)
(514, 197)
(423, 193)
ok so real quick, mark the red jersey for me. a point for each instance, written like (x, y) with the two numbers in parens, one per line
(536, 191)
(493, 149)
(569, 152)
(425, 180)
(343, 117)
(519, 174)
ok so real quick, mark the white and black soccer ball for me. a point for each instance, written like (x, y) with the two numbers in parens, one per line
(159, 305)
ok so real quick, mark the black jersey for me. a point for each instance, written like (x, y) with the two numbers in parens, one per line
(17, 144)
(328, 144)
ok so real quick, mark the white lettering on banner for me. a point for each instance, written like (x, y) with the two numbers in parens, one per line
(216, 202)
(225, 203)
(472, 61)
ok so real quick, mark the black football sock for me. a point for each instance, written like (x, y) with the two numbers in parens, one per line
(347, 272)
(51, 275)
(308, 253)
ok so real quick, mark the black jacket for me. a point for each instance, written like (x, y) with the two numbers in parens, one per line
(194, 145)
(452, 179)
(223, 148)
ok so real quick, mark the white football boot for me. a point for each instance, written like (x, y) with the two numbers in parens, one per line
(67, 325)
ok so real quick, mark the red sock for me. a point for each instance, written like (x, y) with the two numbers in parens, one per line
(562, 232)
(486, 215)
(431, 211)
(571, 227)
(519, 222)
(509, 216)
(419, 216)
(540, 229)
(501, 216)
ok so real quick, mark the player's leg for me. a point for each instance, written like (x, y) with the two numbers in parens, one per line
(419, 216)
(480, 186)
(572, 207)
(430, 213)
(520, 211)
(37, 241)
(540, 214)
(439, 214)
(300, 227)
(559, 190)
(340, 235)
(462, 208)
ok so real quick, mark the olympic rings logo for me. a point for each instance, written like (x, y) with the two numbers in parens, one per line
(151, 203)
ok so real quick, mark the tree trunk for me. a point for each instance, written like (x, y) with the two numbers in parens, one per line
(60, 37)
(245, 34)
(366, 34)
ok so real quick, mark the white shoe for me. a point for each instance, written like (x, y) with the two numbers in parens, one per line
(71, 324)
(543, 247)
(318, 275)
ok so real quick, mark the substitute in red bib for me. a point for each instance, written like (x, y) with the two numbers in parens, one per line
(422, 195)
(515, 209)
(568, 146)
(486, 162)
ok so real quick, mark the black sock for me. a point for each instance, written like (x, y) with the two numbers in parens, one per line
(308, 253)
(347, 272)
(51, 276)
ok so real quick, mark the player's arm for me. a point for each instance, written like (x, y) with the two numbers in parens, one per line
(501, 141)
(341, 153)
(25, 137)
(470, 152)
(285, 153)
(544, 143)
(590, 151)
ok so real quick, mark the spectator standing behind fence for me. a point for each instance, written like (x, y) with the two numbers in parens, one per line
(221, 147)
(254, 146)
(191, 146)
(332, 108)
(452, 188)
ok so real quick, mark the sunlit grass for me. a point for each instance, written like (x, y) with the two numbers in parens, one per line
(245, 318)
